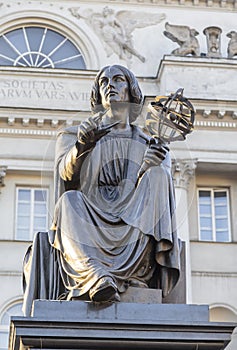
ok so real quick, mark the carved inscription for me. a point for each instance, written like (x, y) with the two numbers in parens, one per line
(37, 89)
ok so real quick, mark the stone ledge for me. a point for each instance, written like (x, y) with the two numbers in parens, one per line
(99, 329)
(121, 312)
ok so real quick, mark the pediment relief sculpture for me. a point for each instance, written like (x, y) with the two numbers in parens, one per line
(185, 37)
(213, 37)
(189, 45)
(232, 45)
(115, 29)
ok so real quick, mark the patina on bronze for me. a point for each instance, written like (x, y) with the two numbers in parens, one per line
(113, 226)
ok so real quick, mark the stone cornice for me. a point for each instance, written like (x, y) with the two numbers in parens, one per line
(46, 123)
(217, 4)
(221, 4)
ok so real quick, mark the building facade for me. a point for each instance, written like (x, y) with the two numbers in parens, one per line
(50, 52)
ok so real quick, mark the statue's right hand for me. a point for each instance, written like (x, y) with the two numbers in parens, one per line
(89, 131)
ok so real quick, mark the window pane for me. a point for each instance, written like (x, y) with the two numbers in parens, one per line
(205, 197)
(205, 212)
(52, 40)
(23, 234)
(16, 37)
(40, 195)
(221, 210)
(6, 49)
(77, 63)
(206, 235)
(40, 223)
(205, 209)
(23, 222)
(34, 35)
(40, 208)
(24, 195)
(206, 222)
(222, 236)
(221, 223)
(24, 208)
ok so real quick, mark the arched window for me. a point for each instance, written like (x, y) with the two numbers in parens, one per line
(12, 310)
(39, 47)
(222, 314)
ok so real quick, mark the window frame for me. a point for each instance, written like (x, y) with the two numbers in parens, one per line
(32, 190)
(214, 190)
(30, 62)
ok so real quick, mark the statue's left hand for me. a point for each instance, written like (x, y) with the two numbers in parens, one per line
(154, 155)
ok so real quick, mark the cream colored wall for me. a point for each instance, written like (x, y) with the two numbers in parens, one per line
(11, 262)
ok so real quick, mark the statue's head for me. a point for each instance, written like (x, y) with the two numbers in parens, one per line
(135, 94)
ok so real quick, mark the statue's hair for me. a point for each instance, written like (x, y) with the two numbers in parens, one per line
(136, 98)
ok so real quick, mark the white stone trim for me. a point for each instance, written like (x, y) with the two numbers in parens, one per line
(216, 124)
(228, 4)
(8, 131)
(214, 274)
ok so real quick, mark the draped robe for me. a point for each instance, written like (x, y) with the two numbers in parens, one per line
(105, 224)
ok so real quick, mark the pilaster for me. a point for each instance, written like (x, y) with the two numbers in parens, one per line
(2, 176)
(183, 170)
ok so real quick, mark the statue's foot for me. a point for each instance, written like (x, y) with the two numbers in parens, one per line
(104, 290)
(137, 283)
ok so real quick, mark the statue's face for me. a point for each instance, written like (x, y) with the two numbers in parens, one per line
(114, 87)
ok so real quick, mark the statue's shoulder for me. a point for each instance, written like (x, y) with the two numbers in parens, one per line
(140, 135)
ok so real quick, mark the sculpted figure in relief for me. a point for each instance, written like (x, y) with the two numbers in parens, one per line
(114, 221)
(116, 28)
(185, 37)
(232, 45)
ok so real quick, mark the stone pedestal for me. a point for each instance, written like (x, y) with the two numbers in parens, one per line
(87, 325)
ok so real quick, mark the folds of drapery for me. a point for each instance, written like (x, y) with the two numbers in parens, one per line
(41, 275)
(147, 210)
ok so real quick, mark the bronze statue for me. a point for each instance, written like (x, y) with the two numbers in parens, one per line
(114, 224)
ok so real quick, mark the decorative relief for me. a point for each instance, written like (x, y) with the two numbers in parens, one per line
(11, 121)
(189, 45)
(220, 114)
(115, 28)
(54, 123)
(185, 37)
(206, 113)
(234, 115)
(232, 45)
(213, 35)
(25, 121)
(183, 170)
